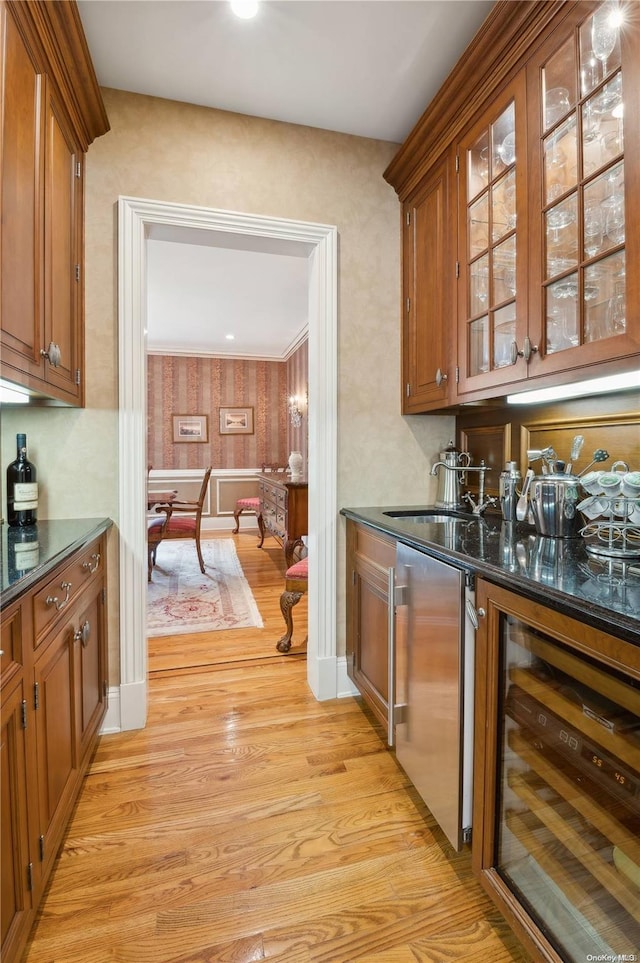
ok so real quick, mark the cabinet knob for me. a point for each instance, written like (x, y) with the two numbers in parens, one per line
(83, 634)
(54, 600)
(441, 377)
(52, 354)
(527, 350)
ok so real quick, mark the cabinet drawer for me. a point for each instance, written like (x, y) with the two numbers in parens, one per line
(14, 631)
(375, 547)
(61, 591)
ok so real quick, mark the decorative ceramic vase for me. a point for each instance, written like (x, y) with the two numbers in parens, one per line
(295, 465)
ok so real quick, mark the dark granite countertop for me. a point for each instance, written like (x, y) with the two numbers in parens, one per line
(28, 554)
(559, 572)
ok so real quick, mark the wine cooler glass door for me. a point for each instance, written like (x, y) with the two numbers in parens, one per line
(568, 814)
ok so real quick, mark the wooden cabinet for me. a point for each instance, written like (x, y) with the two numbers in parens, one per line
(51, 110)
(15, 881)
(543, 209)
(284, 509)
(557, 778)
(54, 684)
(427, 272)
(370, 562)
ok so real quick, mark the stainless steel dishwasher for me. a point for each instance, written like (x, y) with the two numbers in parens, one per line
(431, 671)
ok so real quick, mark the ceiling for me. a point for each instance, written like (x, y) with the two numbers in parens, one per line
(363, 67)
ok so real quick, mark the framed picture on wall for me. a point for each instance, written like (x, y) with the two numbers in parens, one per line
(236, 421)
(191, 428)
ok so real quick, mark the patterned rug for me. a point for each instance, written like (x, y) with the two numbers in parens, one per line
(181, 599)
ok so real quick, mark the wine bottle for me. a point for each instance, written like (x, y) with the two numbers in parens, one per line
(22, 488)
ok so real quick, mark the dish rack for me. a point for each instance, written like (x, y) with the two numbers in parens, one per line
(612, 534)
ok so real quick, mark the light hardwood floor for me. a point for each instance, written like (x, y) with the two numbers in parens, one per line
(250, 822)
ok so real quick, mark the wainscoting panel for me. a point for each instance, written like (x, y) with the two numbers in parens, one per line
(225, 487)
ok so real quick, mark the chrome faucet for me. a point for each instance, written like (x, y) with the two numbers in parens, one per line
(477, 508)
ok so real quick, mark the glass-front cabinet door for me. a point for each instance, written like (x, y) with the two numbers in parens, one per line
(560, 801)
(579, 88)
(548, 208)
(491, 268)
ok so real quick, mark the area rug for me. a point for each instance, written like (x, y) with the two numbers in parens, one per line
(181, 599)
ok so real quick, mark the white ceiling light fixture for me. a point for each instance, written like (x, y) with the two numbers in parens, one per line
(594, 386)
(245, 9)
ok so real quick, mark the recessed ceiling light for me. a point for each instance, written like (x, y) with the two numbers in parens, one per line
(230, 337)
(245, 9)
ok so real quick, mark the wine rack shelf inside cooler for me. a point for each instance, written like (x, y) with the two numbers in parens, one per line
(571, 804)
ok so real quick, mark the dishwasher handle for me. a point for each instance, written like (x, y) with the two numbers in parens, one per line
(397, 595)
(391, 654)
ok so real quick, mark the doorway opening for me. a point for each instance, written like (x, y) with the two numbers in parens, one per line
(136, 219)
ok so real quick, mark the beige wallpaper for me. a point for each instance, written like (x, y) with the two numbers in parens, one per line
(180, 153)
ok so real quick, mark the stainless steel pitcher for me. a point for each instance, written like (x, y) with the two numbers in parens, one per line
(450, 471)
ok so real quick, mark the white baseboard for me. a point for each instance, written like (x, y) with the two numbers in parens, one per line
(111, 721)
(345, 686)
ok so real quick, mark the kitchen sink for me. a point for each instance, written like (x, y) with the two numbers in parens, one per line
(430, 515)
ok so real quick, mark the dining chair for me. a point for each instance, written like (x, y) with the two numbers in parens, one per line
(186, 518)
(155, 533)
(253, 504)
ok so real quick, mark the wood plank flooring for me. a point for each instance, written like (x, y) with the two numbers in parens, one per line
(249, 822)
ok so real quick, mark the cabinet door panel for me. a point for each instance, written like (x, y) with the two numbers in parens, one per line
(54, 677)
(428, 359)
(582, 219)
(21, 240)
(62, 255)
(90, 652)
(15, 894)
(369, 557)
(493, 265)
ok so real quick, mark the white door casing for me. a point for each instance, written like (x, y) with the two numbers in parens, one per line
(136, 217)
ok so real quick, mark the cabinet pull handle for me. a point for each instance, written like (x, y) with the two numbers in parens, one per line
(52, 354)
(527, 350)
(441, 377)
(83, 634)
(474, 613)
(54, 600)
(93, 564)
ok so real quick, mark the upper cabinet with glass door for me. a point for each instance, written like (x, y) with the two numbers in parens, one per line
(491, 268)
(585, 214)
(549, 210)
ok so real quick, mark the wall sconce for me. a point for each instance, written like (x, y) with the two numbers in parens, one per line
(296, 410)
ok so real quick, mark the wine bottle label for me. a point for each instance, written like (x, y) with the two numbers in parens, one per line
(26, 556)
(25, 496)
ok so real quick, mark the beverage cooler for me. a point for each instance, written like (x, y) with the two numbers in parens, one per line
(565, 840)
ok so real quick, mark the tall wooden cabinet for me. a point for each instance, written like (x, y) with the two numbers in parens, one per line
(53, 700)
(51, 111)
(542, 207)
